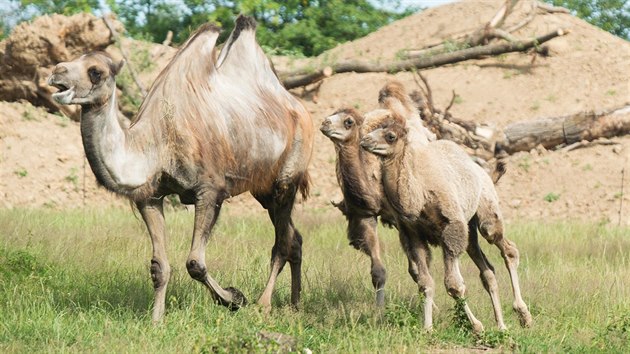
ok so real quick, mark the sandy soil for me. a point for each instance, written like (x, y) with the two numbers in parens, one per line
(42, 163)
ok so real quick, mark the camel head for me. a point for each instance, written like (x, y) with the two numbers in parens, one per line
(88, 80)
(342, 126)
(387, 140)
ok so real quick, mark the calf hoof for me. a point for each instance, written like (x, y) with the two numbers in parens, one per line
(238, 299)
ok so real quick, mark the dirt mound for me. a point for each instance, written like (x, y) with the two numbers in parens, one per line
(32, 49)
(587, 70)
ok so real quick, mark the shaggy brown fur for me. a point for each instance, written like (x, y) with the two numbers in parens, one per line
(210, 128)
(359, 177)
(441, 197)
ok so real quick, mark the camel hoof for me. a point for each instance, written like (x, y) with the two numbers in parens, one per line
(477, 328)
(525, 319)
(380, 298)
(238, 299)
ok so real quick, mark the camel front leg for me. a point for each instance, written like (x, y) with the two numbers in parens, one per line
(153, 216)
(207, 208)
(363, 236)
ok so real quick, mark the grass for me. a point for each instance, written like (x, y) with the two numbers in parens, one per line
(77, 281)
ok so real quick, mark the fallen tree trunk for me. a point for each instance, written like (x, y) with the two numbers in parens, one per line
(556, 131)
(302, 78)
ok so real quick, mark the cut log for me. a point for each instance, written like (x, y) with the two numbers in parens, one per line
(301, 78)
(565, 130)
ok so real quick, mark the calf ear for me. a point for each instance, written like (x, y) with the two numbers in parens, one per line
(118, 66)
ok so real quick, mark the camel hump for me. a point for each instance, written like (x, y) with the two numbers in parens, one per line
(208, 27)
(243, 23)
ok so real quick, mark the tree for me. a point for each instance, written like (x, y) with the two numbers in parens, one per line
(306, 27)
(610, 15)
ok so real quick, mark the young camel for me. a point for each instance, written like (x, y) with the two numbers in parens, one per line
(441, 197)
(359, 175)
(210, 128)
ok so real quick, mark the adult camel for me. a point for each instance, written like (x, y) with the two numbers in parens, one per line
(210, 128)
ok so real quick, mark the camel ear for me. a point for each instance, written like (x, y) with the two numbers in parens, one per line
(118, 66)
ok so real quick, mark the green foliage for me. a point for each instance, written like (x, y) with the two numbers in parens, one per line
(551, 197)
(66, 7)
(21, 172)
(298, 27)
(610, 15)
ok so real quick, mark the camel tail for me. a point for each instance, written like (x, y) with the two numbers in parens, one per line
(499, 171)
(305, 185)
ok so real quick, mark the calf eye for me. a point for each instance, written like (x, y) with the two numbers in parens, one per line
(95, 75)
(348, 122)
(390, 137)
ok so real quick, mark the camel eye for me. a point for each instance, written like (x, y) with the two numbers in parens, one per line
(348, 123)
(390, 137)
(95, 75)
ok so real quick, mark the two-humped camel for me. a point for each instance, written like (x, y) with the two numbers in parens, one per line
(359, 173)
(441, 197)
(210, 128)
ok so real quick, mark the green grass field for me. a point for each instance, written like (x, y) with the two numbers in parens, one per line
(77, 281)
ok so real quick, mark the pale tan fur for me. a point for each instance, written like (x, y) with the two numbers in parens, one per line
(210, 128)
(441, 197)
(394, 97)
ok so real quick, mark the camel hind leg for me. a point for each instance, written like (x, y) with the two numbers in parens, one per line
(491, 228)
(486, 271)
(288, 243)
(363, 236)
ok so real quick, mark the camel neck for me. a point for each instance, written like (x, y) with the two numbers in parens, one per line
(116, 165)
(354, 179)
(397, 181)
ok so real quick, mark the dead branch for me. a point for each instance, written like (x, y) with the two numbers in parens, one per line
(552, 9)
(586, 143)
(300, 78)
(565, 130)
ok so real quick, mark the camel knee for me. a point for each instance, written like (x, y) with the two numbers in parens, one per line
(511, 254)
(196, 270)
(294, 255)
(379, 276)
(413, 272)
(160, 273)
(455, 286)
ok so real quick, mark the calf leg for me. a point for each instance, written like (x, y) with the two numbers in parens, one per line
(153, 216)
(491, 229)
(486, 272)
(363, 236)
(207, 207)
(452, 237)
(419, 257)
